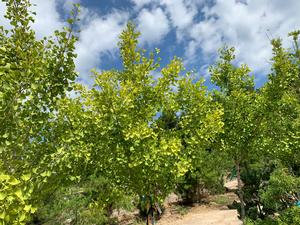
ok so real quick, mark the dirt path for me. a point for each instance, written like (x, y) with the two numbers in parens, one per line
(214, 213)
(204, 216)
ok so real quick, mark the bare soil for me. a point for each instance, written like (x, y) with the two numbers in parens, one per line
(209, 214)
(214, 212)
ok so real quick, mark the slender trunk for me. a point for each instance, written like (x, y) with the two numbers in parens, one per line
(240, 192)
(150, 218)
(153, 218)
(198, 192)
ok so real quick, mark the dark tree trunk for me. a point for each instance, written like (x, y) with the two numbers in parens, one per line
(240, 192)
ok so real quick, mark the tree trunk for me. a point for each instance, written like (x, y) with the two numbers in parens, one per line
(240, 192)
(150, 218)
(198, 191)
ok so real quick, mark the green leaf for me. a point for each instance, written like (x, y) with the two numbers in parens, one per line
(18, 193)
(13, 181)
(2, 215)
(26, 177)
(27, 208)
(22, 217)
(4, 177)
(2, 196)
(46, 174)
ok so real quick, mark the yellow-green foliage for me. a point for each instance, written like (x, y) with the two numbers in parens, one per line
(123, 110)
(34, 76)
(15, 194)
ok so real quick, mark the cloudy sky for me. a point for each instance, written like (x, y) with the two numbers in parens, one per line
(191, 29)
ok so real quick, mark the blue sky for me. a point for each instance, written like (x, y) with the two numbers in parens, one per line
(191, 29)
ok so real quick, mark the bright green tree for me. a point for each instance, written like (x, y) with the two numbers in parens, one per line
(199, 122)
(130, 145)
(34, 76)
(282, 105)
(241, 120)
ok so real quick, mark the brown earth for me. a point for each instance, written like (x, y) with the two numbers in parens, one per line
(210, 214)
(214, 212)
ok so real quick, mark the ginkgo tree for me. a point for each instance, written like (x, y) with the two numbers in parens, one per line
(241, 115)
(200, 123)
(34, 76)
(280, 130)
(124, 108)
(124, 105)
(281, 104)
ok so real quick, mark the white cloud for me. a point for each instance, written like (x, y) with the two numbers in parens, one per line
(181, 13)
(97, 37)
(3, 21)
(47, 18)
(246, 26)
(153, 25)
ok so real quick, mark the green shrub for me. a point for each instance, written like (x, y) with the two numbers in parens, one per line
(279, 196)
(255, 176)
(282, 190)
(92, 201)
(206, 178)
(290, 216)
